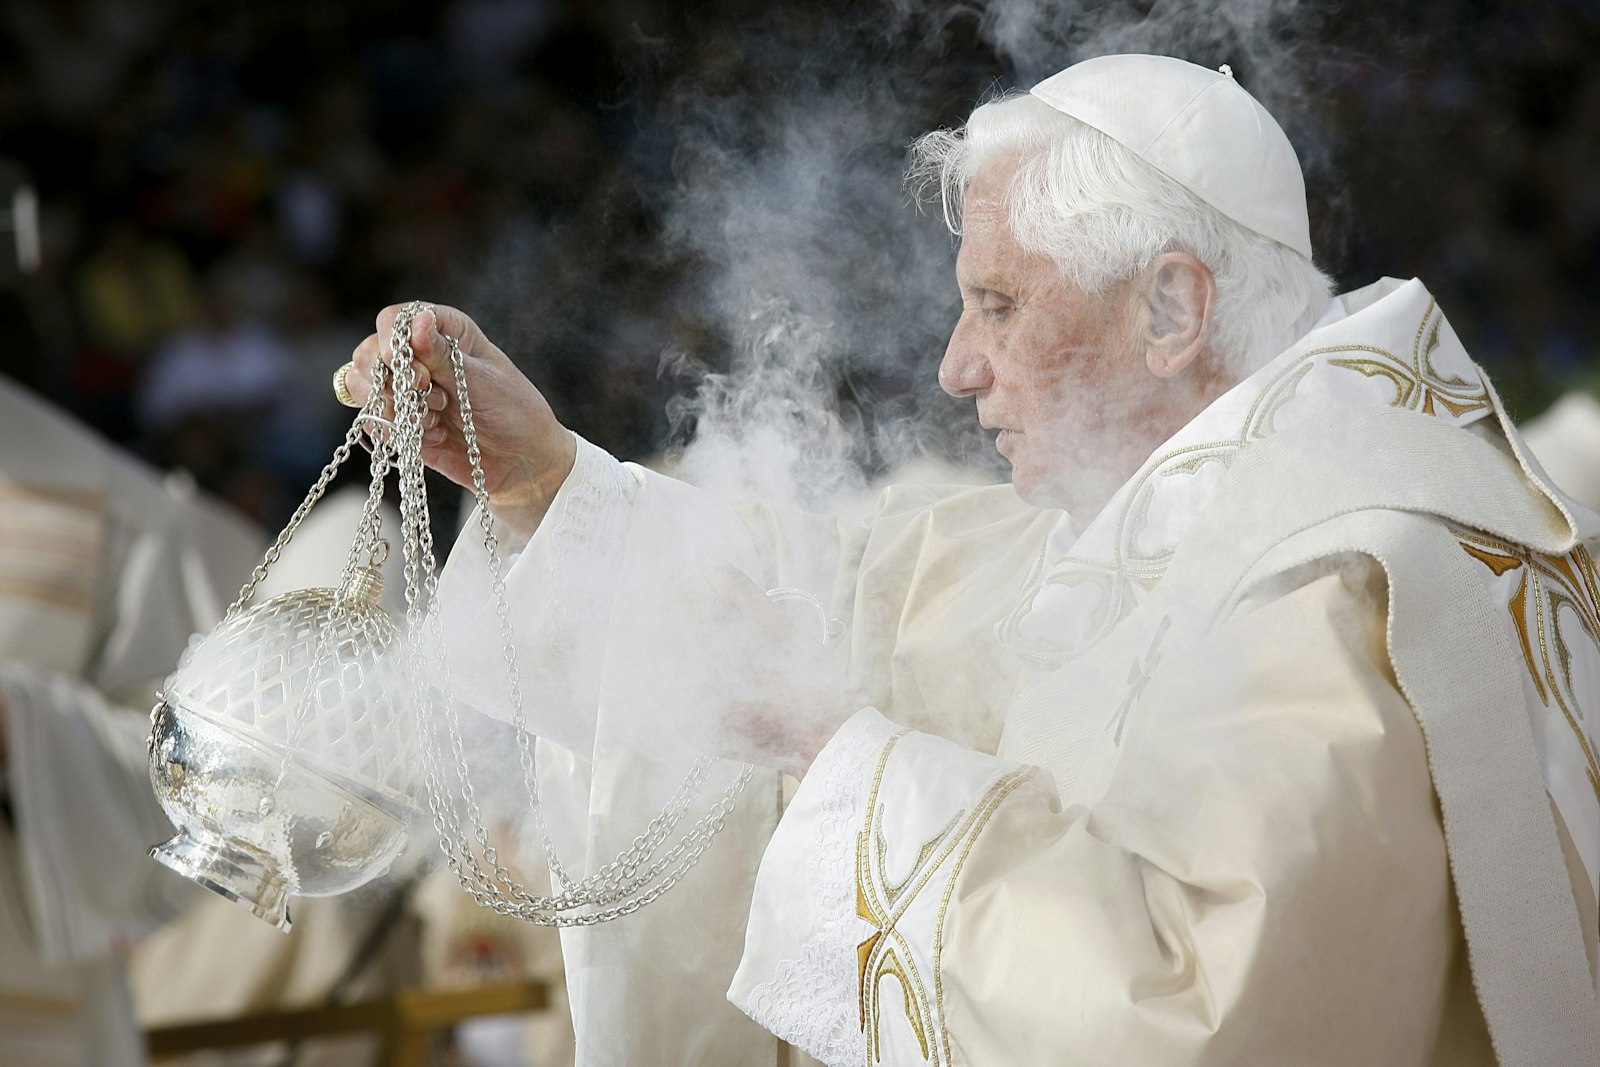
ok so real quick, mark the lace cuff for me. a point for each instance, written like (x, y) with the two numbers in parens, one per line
(591, 525)
(881, 829)
(798, 976)
(558, 588)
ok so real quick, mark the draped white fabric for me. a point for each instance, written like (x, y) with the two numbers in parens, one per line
(105, 571)
(1234, 854)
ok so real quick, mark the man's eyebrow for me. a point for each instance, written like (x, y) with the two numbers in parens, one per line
(985, 289)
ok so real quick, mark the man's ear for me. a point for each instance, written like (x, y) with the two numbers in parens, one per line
(1180, 294)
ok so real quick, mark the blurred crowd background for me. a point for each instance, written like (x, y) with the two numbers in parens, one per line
(229, 193)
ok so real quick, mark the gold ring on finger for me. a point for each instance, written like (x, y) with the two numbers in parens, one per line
(341, 389)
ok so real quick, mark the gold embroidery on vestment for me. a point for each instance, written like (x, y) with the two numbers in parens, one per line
(1519, 618)
(1405, 386)
(990, 804)
(863, 905)
(882, 903)
(1417, 382)
(1547, 585)
(891, 967)
(1496, 562)
(893, 890)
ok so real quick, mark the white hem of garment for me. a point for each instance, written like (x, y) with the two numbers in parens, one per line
(812, 1002)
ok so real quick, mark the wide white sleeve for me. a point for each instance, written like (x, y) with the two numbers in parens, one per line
(610, 612)
(616, 632)
(558, 590)
(1265, 881)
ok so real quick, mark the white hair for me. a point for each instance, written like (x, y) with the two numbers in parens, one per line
(1103, 214)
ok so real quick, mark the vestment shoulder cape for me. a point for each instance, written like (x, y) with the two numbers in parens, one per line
(1232, 813)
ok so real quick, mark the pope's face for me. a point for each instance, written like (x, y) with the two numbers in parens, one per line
(1055, 370)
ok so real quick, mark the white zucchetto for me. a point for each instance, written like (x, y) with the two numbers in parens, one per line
(1199, 128)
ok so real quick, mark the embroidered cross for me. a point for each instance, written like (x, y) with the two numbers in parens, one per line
(1138, 676)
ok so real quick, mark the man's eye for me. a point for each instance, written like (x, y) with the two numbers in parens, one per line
(989, 304)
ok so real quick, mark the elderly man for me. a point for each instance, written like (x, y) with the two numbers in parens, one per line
(1252, 724)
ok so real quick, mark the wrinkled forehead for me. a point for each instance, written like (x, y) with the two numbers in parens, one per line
(982, 216)
(987, 192)
(988, 244)
(987, 253)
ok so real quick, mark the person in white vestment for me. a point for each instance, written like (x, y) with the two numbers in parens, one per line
(1566, 438)
(1254, 722)
(106, 569)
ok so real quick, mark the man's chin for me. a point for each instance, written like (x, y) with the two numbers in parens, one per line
(1082, 496)
(1036, 489)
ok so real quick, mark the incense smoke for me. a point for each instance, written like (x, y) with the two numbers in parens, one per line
(834, 296)
(811, 300)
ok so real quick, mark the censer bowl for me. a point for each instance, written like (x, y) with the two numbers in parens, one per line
(280, 753)
(257, 840)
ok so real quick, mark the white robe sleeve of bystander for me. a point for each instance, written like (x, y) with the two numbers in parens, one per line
(88, 626)
(162, 563)
(86, 818)
(1264, 880)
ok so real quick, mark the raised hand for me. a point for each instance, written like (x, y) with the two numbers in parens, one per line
(527, 454)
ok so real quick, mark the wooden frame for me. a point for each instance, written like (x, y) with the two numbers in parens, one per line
(405, 1023)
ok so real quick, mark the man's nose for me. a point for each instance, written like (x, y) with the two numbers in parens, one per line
(965, 369)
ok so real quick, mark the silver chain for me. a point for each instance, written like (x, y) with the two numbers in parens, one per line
(642, 871)
(368, 542)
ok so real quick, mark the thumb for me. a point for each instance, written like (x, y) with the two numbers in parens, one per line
(458, 324)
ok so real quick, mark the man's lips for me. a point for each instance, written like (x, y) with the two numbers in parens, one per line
(1003, 435)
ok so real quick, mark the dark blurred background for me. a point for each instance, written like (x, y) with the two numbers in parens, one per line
(229, 193)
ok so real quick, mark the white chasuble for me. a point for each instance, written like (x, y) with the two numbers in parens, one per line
(1096, 816)
(1216, 838)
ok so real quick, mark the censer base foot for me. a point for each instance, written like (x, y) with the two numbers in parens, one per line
(242, 875)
